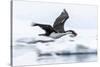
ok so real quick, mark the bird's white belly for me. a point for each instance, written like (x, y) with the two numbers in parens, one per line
(57, 35)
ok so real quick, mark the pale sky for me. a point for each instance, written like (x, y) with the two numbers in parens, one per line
(80, 16)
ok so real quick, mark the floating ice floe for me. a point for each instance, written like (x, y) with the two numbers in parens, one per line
(66, 45)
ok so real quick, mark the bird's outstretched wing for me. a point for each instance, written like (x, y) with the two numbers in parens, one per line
(48, 28)
(59, 22)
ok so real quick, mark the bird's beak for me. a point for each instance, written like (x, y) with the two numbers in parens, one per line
(33, 24)
(41, 34)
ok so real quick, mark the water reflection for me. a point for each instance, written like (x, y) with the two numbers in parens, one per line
(81, 58)
(68, 59)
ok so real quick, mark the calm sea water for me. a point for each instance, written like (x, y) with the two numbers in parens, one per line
(69, 59)
(23, 55)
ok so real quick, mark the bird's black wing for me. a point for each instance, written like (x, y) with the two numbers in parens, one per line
(48, 28)
(59, 22)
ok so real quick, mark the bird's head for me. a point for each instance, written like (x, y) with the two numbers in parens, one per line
(42, 34)
(34, 24)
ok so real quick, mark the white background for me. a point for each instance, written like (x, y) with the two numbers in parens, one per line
(5, 33)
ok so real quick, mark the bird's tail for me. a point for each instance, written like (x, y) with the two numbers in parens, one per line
(72, 32)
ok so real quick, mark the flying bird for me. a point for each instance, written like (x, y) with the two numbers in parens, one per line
(57, 30)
